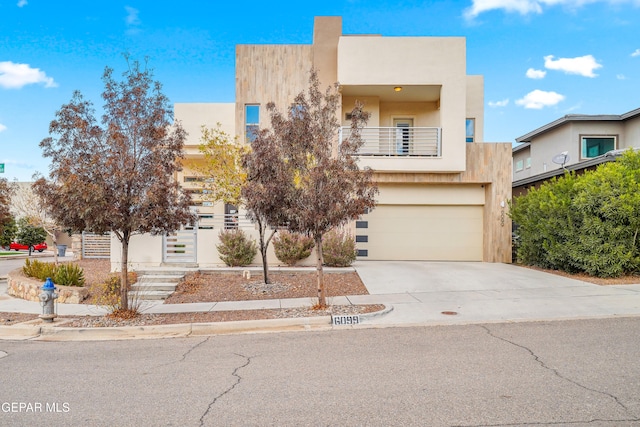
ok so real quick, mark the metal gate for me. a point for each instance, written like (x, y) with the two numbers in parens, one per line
(180, 247)
(96, 245)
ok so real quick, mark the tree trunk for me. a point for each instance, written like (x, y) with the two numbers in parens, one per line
(263, 252)
(124, 276)
(322, 300)
(54, 239)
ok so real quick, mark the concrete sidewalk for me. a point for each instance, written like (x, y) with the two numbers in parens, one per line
(424, 293)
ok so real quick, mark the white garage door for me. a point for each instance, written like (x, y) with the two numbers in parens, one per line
(421, 232)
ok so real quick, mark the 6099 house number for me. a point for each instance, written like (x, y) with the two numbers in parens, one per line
(346, 320)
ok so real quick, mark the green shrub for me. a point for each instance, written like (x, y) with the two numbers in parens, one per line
(69, 275)
(292, 247)
(39, 270)
(338, 249)
(583, 223)
(63, 274)
(235, 248)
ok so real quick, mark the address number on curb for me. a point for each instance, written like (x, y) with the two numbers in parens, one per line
(346, 320)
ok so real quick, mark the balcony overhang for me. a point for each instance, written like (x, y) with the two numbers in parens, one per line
(390, 93)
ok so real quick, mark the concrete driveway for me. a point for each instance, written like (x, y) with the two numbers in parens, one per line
(421, 292)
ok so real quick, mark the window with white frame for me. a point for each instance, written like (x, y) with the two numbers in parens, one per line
(596, 145)
(527, 163)
(519, 165)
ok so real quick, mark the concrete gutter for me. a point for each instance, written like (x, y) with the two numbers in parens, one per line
(34, 330)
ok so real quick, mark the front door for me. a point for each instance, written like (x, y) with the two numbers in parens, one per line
(403, 135)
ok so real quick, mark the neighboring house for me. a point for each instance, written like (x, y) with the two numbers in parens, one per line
(583, 141)
(443, 191)
(25, 203)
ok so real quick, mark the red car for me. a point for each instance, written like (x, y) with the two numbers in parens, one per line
(18, 247)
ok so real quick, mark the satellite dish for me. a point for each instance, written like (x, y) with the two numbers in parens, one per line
(561, 159)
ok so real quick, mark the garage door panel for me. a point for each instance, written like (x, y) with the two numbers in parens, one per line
(414, 232)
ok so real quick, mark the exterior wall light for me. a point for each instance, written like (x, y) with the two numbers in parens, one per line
(397, 88)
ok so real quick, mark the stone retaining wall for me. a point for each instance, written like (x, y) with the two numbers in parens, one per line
(28, 288)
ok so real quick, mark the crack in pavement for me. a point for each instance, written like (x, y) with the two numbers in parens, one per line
(551, 423)
(228, 390)
(559, 375)
(184, 356)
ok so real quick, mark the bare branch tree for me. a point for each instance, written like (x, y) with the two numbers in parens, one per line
(319, 184)
(118, 177)
(268, 188)
(27, 204)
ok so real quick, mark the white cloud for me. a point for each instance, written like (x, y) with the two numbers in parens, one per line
(526, 7)
(22, 3)
(636, 53)
(536, 74)
(523, 7)
(581, 65)
(539, 99)
(621, 77)
(15, 76)
(132, 16)
(502, 103)
(2, 127)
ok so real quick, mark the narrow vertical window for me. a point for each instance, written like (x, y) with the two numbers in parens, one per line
(251, 121)
(470, 130)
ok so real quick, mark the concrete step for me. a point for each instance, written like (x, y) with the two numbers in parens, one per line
(156, 286)
(163, 272)
(157, 283)
(160, 278)
(149, 295)
(183, 265)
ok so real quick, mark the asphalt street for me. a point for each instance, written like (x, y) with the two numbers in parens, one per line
(574, 372)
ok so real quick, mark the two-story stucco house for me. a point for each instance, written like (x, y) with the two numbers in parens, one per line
(575, 142)
(442, 189)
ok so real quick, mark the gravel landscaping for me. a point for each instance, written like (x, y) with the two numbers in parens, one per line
(215, 286)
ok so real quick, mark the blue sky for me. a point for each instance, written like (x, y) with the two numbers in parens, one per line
(541, 59)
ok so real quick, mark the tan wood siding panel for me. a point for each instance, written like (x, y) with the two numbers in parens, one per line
(269, 73)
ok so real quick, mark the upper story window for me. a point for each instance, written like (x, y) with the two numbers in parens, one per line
(527, 163)
(519, 165)
(251, 121)
(594, 146)
(470, 130)
(297, 111)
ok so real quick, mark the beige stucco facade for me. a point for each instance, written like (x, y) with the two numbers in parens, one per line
(565, 135)
(441, 197)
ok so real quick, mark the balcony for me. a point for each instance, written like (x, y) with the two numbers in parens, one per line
(398, 141)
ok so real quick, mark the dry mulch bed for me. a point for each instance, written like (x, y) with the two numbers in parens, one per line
(231, 286)
(219, 316)
(220, 286)
(631, 279)
(8, 319)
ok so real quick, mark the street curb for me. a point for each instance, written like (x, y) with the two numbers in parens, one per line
(19, 332)
(266, 325)
(388, 308)
(181, 330)
(52, 333)
(48, 332)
